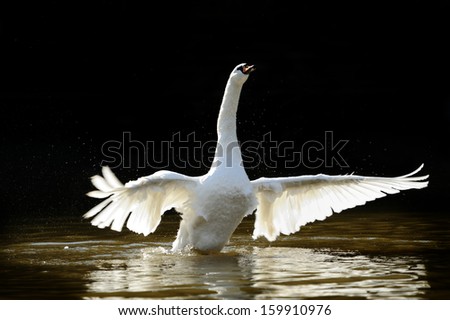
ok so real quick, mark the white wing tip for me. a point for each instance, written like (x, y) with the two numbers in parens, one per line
(111, 178)
(106, 183)
(414, 172)
(98, 194)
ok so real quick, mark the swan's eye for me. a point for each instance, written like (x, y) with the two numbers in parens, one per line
(241, 68)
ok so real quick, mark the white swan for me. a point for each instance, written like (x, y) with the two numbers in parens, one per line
(214, 204)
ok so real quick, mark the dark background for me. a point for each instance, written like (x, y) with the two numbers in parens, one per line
(77, 74)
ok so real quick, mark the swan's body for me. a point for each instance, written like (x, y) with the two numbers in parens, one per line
(214, 204)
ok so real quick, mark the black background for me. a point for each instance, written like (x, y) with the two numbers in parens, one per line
(76, 74)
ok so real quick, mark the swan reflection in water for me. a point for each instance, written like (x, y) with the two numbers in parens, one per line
(256, 273)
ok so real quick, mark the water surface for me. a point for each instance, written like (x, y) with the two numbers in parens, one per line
(353, 255)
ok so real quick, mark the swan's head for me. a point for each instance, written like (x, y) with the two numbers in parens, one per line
(241, 72)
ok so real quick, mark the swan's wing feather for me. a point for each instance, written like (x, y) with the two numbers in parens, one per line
(138, 203)
(286, 204)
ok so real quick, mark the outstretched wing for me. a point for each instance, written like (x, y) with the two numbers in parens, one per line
(142, 202)
(286, 204)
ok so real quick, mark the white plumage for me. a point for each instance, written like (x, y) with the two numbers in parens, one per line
(214, 204)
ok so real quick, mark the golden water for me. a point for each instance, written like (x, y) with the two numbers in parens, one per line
(352, 255)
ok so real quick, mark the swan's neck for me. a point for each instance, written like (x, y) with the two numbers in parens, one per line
(228, 152)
